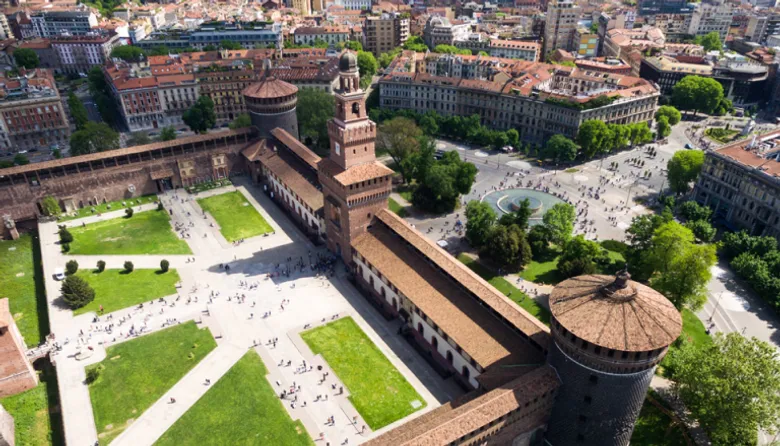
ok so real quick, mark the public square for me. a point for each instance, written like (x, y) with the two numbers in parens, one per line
(241, 292)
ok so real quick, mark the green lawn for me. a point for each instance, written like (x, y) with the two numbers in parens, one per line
(545, 270)
(21, 281)
(36, 412)
(397, 208)
(722, 135)
(240, 408)
(114, 289)
(108, 207)
(137, 373)
(509, 290)
(693, 331)
(406, 191)
(655, 428)
(236, 217)
(147, 232)
(377, 390)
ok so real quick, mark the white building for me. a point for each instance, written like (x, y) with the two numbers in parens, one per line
(333, 35)
(77, 21)
(713, 15)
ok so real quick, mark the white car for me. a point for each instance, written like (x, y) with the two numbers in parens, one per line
(59, 274)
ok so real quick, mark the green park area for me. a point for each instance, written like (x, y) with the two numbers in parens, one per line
(721, 135)
(147, 232)
(235, 215)
(240, 408)
(108, 207)
(655, 426)
(137, 373)
(116, 289)
(377, 389)
(509, 290)
(21, 281)
(36, 412)
(397, 208)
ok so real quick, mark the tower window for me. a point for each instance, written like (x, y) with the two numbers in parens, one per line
(356, 108)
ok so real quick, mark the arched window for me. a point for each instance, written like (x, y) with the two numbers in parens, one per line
(395, 304)
(449, 357)
(420, 329)
(356, 108)
(382, 291)
(371, 280)
(465, 372)
(435, 342)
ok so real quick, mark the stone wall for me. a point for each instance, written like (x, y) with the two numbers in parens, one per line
(16, 372)
(6, 428)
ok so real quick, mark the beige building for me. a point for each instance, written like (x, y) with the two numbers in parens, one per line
(303, 6)
(384, 33)
(561, 22)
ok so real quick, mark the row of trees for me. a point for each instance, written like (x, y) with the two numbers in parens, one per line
(757, 260)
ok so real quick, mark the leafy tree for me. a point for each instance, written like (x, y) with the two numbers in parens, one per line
(672, 114)
(129, 267)
(667, 242)
(693, 211)
(168, 134)
(164, 265)
(415, 43)
(230, 45)
(560, 149)
(128, 53)
(685, 280)
(664, 129)
(50, 206)
(593, 137)
(385, 59)
(506, 247)
(65, 236)
(20, 159)
(4, 164)
(702, 230)
(731, 386)
(209, 48)
(539, 237)
(138, 139)
(697, 93)
(519, 217)
(315, 108)
(353, 45)
(483, 53)
(201, 116)
(683, 168)
(101, 93)
(579, 256)
(559, 220)
(441, 182)
(76, 292)
(129, 212)
(26, 58)
(94, 137)
(77, 111)
(101, 266)
(71, 267)
(480, 218)
(367, 64)
(513, 138)
(399, 137)
(242, 121)
(428, 123)
(710, 41)
(736, 243)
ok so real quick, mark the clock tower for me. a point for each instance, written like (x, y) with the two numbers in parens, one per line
(355, 185)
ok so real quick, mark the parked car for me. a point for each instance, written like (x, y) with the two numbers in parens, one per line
(59, 274)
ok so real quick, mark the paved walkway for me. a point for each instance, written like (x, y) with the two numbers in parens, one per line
(238, 325)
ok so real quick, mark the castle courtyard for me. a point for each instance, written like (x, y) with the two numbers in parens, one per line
(242, 293)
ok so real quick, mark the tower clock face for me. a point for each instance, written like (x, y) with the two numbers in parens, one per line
(337, 147)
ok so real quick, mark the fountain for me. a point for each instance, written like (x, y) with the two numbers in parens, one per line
(509, 200)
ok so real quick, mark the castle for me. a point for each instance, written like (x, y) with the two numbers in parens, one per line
(582, 381)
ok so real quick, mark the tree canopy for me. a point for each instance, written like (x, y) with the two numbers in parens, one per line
(77, 111)
(315, 108)
(241, 121)
(697, 93)
(76, 292)
(518, 217)
(560, 149)
(506, 247)
(399, 137)
(353, 45)
(415, 43)
(480, 218)
(26, 58)
(683, 168)
(731, 386)
(672, 114)
(138, 139)
(168, 134)
(580, 256)
(559, 220)
(230, 45)
(128, 53)
(710, 41)
(440, 182)
(94, 137)
(201, 116)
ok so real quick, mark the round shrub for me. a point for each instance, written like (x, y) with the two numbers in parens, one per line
(76, 292)
(164, 265)
(129, 266)
(71, 267)
(101, 266)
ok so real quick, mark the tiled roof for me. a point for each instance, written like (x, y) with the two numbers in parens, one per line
(469, 323)
(447, 424)
(293, 173)
(354, 174)
(32, 167)
(297, 147)
(750, 158)
(270, 87)
(635, 318)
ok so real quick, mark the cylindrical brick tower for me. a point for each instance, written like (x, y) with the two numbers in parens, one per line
(609, 335)
(271, 103)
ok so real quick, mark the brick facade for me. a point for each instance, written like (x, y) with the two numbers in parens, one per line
(16, 372)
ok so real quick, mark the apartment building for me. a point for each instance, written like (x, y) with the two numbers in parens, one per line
(586, 43)
(537, 99)
(744, 81)
(77, 54)
(303, 6)
(653, 7)
(741, 183)
(354, 5)
(560, 25)
(75, 21)
(442, 31)
(511, 49)
(712, 16)
(333, 35)
(384, 33)
(249, 35)
(31, 112)
(760, 27)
